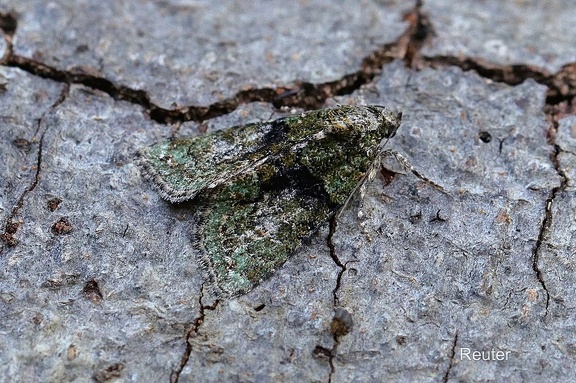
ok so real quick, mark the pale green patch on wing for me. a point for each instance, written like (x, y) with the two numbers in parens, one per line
(244, 243)
(181, 168)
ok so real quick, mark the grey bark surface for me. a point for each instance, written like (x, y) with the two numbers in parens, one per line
(99, 279)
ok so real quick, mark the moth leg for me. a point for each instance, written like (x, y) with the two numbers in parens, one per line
(406, 165)
(361, 188)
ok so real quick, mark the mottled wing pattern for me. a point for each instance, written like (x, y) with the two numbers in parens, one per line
(181, 168)
(243, 243)
(262, 189)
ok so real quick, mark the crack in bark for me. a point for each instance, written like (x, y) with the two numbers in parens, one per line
(561, 85)
(11, 225)
(302, 94)
(548, 216)
(305, 95)
(340, 326)
(452, 354)
(336, 260)
(331, 353)
(420, 30)
(175, 375)
(340, 329)
(544, 229)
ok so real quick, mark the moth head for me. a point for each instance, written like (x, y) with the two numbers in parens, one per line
(388, 121)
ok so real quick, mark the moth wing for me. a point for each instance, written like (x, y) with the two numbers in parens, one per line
(243, 242)
(182, 168)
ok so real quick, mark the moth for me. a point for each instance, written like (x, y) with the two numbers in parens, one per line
(261, 189)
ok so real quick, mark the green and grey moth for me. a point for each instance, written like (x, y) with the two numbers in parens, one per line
(263, 188)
